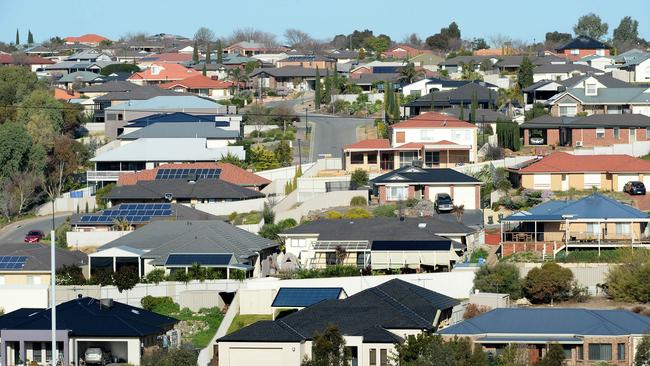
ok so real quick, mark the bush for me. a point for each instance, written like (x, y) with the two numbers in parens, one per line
(385, 211)
(358, 201)
(179, 276)
(500, 278)
(69, 276)
(126, 278)
(549, 283)
(161, 305)
(130, 68)
(479, 253)
(412, 202)
(357, 213)
(329, 271)
(630, 281)
(359, 178)
(174, 357)
(156, 276)
(472, 310)
(102, 278)
(100, 193)
(333, 215)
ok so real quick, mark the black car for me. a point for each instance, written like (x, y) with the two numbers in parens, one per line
(634, 188)
(443, 202)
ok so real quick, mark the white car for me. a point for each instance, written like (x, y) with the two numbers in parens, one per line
(537, 141)
(96, 355)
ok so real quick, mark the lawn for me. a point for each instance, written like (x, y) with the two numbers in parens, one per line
(242, 321)
(199, 327)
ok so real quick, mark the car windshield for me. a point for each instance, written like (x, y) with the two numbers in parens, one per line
(444, 198)
(35, 233)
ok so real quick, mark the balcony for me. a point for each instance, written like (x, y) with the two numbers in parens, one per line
(105, 175)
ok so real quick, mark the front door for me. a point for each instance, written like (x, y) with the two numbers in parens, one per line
(632, 134)
(565, 137)
(565, 182)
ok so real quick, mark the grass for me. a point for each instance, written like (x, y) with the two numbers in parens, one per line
(248, 218)
(582, 256)
(646, 157)
(241, 321)
(212, 317)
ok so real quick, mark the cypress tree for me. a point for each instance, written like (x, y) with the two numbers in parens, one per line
(17, 38)
(472, 112)
(327, 95)
(317, 91)
(208, 58)
(388, 101)
(461, 116)
(219, 53)
(433, 101)
(30, 37)
(205, 69)
(195, 53)
(395, 106)
(490, 103)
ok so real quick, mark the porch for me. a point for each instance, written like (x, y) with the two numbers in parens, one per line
(385, 160)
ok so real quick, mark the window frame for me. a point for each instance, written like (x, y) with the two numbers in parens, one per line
(617, 132)
(620, 348)
(600, 133)
(355, 154)
(397, 197)
(372, 354)
(600, 356)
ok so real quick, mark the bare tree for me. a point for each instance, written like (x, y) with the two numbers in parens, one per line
(24, 186)
(499, 40)
(133, 37)
(296, 38)
(252, 34)
(9, 206)
(204, 36)
(412, 40)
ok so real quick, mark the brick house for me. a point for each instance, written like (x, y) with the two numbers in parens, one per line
(583, 46)
(438, 140)
(590, 131)
(403, 51)
(593, 99)
(562, 171)
(288, 77)
(308, 61)
(588, 337)
(419, 183)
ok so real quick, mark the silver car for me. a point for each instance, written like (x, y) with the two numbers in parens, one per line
(537, 140)
(96, 355)
(443, 202)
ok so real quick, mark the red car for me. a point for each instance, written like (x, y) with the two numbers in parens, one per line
(34, 236)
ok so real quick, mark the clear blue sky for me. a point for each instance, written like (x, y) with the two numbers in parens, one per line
(519, 19)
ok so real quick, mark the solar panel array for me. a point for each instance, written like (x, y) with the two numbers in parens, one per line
(304, 296)
(347, 245)
(133, 213)
(181, 173)
(205, 260)
(12, 261)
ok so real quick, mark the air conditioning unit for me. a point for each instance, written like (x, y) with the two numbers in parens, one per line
(578, 143)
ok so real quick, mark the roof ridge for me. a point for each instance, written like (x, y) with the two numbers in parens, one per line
(398, 305)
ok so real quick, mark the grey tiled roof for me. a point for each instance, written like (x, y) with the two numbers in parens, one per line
(184, 129)
(182, 189)
(38, 256)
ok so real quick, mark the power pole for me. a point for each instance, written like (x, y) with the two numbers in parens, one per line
(55, 355)
(299, 154)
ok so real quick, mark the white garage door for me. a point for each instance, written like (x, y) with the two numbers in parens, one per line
(624, 178)
(433, 190)
(465, 196)
(592, 180)
(542, 181)
(646, 180)
(256, 356)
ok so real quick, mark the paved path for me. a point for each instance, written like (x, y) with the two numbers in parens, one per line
(16, 231)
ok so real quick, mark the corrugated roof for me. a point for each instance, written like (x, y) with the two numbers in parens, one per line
(569, 163)
(169, 102)
(181, 130)
(168, 149)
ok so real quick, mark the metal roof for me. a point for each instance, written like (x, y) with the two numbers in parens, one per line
(209, 130)
(292, 297)
(168, 102)
(169, 149)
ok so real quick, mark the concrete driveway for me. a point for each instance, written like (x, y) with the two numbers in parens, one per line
(471, 218)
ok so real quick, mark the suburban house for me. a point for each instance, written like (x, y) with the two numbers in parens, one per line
(593, 99)
(544, 90)
(289, 77)
(420, 183)
(455, 64)
(562, 171)
(633, 67)
(118, 116)
(343, 56)
(80, 79)
(437, 140)
(362, 319)
(486, 95)
(179, 244)
(587, 336)
(89, 55)
(428, 85)
(67, 67)
(601, 63)
(35, 63)
(96, 90)
(377, 67)
(202, 86)
(164, 58)
(250, 48)
(162, 73)
(216, 136)
(591, 222)
(562, 71)
(126, 331)
(583, 46)
(589, 131)
(227, 172)
(111, 96)
(421, 244)
(227, 122)
(403, 52)
(87, 39)
(308, 61)
(427, 61)
(297, 298)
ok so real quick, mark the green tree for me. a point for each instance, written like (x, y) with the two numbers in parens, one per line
(525, 73)
(30, 37)
(204, 71)
(219, 52)
(126, 278)
(70, 276)
(262, 158)
(549, 283)
(377, 44)
(17, 38)
(553, 357)
(461, 115)
(642, 356)
(500, 278)
(590, 25)
(17, 151)
(233, 159)
(317, 91)
(16, 83)
(327, 93)
(409, 74)
(630, 281)
(508, 135)
(362, 54)
(283, 153)
(195, 53)
(626, 33)
(514, 355)
(115, 68)
(329, 349)
(359, 178)
(473, 108)
(433, 100)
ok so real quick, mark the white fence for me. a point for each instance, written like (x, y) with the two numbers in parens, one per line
(589, 275)
(320, 202)
(501, 163)
(283, 173)
(637, 148)
(13, 297)
(353, 97)
(226, 208)
(78, 239)
(63, 204)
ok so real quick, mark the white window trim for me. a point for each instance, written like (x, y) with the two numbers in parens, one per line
(403, 196)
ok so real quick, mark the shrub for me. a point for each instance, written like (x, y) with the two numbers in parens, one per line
(359, 178)
(412, 202)
(238, 275)
(500, 278)
(156, 276)
(174, 357)
(385, 211)
(549, 283)
(479, 253)
(358, 201)
(333, 215)
(161, 305)
(630, 281)
(179, 276)
(102, 278)
(70, 275)
(126, 278)
(357, 213)
(472, 310)
(232, 217)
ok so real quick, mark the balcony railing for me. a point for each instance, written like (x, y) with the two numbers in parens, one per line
(105, 175)
(574, 237)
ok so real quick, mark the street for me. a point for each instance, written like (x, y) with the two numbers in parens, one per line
(15, 232)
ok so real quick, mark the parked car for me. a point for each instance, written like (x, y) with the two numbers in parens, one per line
(34, 236)
(443, 202)
(537, 140)
(96, 355)
(634, 188)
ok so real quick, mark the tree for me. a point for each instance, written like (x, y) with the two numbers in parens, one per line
(297, 39)
(642, 356)
(317, 91)
(283, 153)
(17, 38)
(359, 178)
(626, 33)
(553, 357)
(329, 349)
(219, 52)
(553, 40)
(473, 108)
(115, 68)
(590, 25)
(233, 159)
(203, 36)
(377, 44)
(508, 135)
(514, 355)
(500, 278)
(479, 44)
(195, 53)
(461, 116)
(459, 211)
(429, 349)
(525, 73)
(261, 158)
(126, 278)
(630, 281)
(549, 283)
(204, 71)
(238, 77)
(16, 150)
(16, 83)
(249, 33)
(409, 74)
(70, 276)
(447, 39)
(208, 56)
(413, 40)
(30, 37)
(362, 54)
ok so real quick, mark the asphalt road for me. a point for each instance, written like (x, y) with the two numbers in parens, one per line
(331, 133)
(15, 232)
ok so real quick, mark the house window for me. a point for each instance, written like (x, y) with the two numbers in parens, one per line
(575, 51)
(373, 357)
(432, 158)
(592, 228)
(372, 158)
(581, 352)
(647, 132)
(38, 356)
(396, 193)
(617, 132)
(600, 352)
(361, 259)
(2, 280)
(600, 133)
(591, 89)
(623, 229)
(383, 357)
(620, 350)
(406, 158)
(356, 158)
(120, 117)
(111, 117)
(400, 137)
(330, 258)
(33, 280)
(567, 352)
(600, 52)
(568, 110)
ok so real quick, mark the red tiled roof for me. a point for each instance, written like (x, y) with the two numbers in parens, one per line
(433, 120)
(62, 94)
(87, 38)
(171, 57)
(229, 173)
(167, 72)
(198, 82)
(8, 59)
(369, 144)
(569, 163)
(411, 145)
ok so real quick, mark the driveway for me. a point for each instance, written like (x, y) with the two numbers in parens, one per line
(15, 232)
(471, 218)
(642, 202)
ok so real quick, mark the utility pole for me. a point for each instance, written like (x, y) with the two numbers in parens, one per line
(299, 154)
(55, 356)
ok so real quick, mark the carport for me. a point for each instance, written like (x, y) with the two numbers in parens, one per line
(118, 348)
(113, 259)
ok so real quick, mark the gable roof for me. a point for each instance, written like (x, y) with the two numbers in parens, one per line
(171, 57)
(85, 317)
(564, 162)
(139, 92)
(462, 94)
(553, 321)
(166, 72)
(583, 43)
(606, 79)
(287, 71)
(111, 86)
(182, 189)
(178, 212)
(204, 129)
(565, 68)
(433, 120)
(412, 174)
(229, 173)
(592, 121)
(395, 304)
(38, 256)
(82, 76)
(199, 81)
(640, 95)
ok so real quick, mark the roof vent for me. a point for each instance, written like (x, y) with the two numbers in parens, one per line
(106, 303)
(422, 225)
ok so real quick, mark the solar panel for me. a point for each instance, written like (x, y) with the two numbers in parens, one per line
(131, 212)
(206, 260)
(182, 173)
(304, 296)
(12, 261)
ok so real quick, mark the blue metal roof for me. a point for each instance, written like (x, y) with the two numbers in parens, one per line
(177, 117)
(553, 321)
(300, 297)
(530, 340)
(594, 206)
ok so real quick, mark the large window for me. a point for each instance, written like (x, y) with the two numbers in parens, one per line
(361, 260)
(593, 228)
(373, 357)
(431, 158)
(568, 110)
(406, 158)
(567, 351)
(330, 258)
(617, 133)
(575, 51)
(623, 229)
(620, 351)
(591, 89)
(600, 352)
(580, 350)
(396, 193)
(372, 158)
(600, 133)
(356, 158)
(383, 357)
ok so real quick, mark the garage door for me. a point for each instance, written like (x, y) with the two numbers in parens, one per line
(465, 196)
(624, 178)
(434, 190)
(646, 180)
(256, 356)
(592, 180)
(542, 181)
